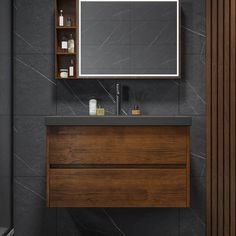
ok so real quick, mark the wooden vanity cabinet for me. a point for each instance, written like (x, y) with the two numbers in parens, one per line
(118, 166)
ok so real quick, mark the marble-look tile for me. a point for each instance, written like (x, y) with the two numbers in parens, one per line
(139, 222)
(193, 16)
(34, 85)
(155, 97)
(5, 84)
(29, 146)
(31, 216)
(34, 26)
(193, 43)
(5, 202)
(74, 96)
(5, 146)
(5, 25)
(94, 221)
(193, 34)
(192, 220)
(192, 86)
(66, 225)
(198, 146)
(127, 222)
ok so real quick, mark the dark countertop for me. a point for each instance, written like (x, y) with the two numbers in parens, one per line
(118, 120)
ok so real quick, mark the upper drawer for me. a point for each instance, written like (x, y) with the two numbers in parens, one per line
(118, 144)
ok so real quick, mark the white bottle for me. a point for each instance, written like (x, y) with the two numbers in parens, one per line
(64, 43)
(92, 107)
(71, 68)
(61, 18)
(71, 44)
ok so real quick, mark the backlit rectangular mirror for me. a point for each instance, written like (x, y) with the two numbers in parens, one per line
(129, 39)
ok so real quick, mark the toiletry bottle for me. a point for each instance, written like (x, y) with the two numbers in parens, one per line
(71, 68)
(71, 44)
(92, 107)
(64, 43)
(61, 18)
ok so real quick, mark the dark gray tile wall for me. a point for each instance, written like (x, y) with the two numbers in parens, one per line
(37, 94)
(5, 117)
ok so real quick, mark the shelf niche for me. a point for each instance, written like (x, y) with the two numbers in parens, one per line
(63, 58)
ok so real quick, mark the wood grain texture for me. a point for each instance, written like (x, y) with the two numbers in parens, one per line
(118, 188)
(118, 145)
(232, 108)
(221, 24)
(118, 166)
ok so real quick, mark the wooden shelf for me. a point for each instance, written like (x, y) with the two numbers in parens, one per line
(69, 78)
(63, 58)
(66, 27)
(66, 53)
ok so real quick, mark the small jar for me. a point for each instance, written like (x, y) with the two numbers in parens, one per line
(136, 111)
(68, 22)
(64, 73)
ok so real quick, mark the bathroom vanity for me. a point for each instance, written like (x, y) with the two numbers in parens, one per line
(118, 161)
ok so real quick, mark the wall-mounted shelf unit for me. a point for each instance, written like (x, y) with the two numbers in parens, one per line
(63, 57)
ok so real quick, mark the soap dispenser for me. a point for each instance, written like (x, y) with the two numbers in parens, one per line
(92, 107)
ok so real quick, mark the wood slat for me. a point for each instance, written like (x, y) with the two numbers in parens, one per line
(226, 206)
(232, 116)
(220, 114)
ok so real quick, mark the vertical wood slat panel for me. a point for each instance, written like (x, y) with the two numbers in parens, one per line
(220, 72)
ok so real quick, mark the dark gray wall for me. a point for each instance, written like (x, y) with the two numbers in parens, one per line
(37, 94)
(5, 116)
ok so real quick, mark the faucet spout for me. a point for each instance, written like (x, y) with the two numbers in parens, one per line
(118, 99)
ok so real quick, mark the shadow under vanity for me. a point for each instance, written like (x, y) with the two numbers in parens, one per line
(118, 161)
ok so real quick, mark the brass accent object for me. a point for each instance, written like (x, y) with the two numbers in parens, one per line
(136, 111)
(100, 111)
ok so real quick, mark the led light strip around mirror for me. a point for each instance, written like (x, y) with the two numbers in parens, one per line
(177, 75)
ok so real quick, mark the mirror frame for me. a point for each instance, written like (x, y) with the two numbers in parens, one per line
(132, 76)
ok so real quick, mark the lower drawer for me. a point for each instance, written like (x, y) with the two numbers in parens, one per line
(118, 188)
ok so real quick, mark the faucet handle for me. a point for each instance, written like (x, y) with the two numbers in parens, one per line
(118, 89)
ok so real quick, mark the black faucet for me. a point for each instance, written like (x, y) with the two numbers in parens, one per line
(118, 99)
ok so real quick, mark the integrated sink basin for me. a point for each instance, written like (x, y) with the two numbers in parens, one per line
(119, 120)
